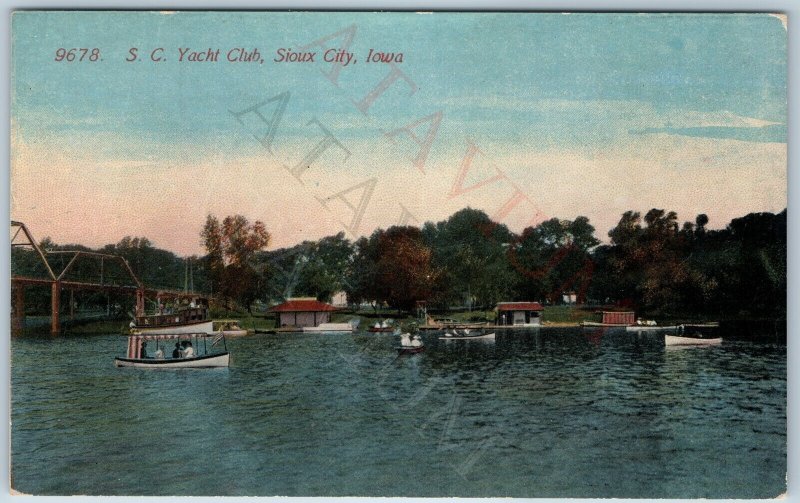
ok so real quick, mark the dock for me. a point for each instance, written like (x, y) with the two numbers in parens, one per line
(281, 330)
(474, 326)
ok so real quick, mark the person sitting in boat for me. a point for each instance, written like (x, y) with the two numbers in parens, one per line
(143, 354)
(416, 341)
(159, 355)
(405, 339)
(188, 351)
(176, 353)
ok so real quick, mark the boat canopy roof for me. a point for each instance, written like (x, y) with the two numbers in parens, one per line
(155, 337)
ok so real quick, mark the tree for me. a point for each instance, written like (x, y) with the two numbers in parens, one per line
(404, 269)
(361, 280)
(326, 264)
(654, 264)
(231, 246)
(553, 257)
(471, 251)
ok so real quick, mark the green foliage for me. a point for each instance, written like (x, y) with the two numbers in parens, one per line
(471, 251)
(312, 268)
(740, 270)
(393, 267)
(232, 246)
(652, 264)
(553, 258)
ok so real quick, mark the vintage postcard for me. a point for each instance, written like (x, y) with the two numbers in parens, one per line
(406, 254)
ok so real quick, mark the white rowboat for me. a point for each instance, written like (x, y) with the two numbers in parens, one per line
(651, 328)
(674, 340)
(449, 337)
(608, 325)
(197, 362)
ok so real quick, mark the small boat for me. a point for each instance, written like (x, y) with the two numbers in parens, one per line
(190, 319)
(649, 328)
(410, 350)
(594, 324)
(384, 326)
(676, 340)
(466, 335)
(410, 345)
(137, 355)
(230, 328)
(710, 324)
(448, 324)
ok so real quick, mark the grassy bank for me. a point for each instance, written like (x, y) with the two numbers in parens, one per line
(552, 316)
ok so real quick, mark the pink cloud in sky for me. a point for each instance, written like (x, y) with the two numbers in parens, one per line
(77, 198)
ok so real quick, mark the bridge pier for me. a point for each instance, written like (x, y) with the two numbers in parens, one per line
(55, 306)
(17, 308)
(140, 302)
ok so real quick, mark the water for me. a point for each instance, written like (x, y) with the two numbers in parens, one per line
(543, 413)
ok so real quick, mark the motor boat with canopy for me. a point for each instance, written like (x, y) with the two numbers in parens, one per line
(197, 350)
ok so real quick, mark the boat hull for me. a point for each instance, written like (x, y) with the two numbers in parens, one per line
(234, 333)
(675, 340)
(466, 337)
(201, 327)
(410, 350)
(197, 362)
(609, 325)
(645, 328)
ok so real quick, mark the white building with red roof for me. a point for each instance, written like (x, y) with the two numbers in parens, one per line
(519, 314)
(302, 312)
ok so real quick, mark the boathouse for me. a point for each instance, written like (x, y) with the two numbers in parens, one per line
(616, 317)
(302, 312)
(519, 314)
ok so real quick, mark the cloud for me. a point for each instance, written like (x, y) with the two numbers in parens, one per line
(97, 196)
(609, 120)
(764, 134)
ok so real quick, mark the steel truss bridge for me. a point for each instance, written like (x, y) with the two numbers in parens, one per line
(127, 283)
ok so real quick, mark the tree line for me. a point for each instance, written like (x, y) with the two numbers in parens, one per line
(651, 263)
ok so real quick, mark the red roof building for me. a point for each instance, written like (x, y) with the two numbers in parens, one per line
(520, 314)
(302, 312)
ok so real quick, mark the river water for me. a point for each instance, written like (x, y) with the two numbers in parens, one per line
(541, 413)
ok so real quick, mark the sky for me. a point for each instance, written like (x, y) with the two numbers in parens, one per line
(525, 116)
